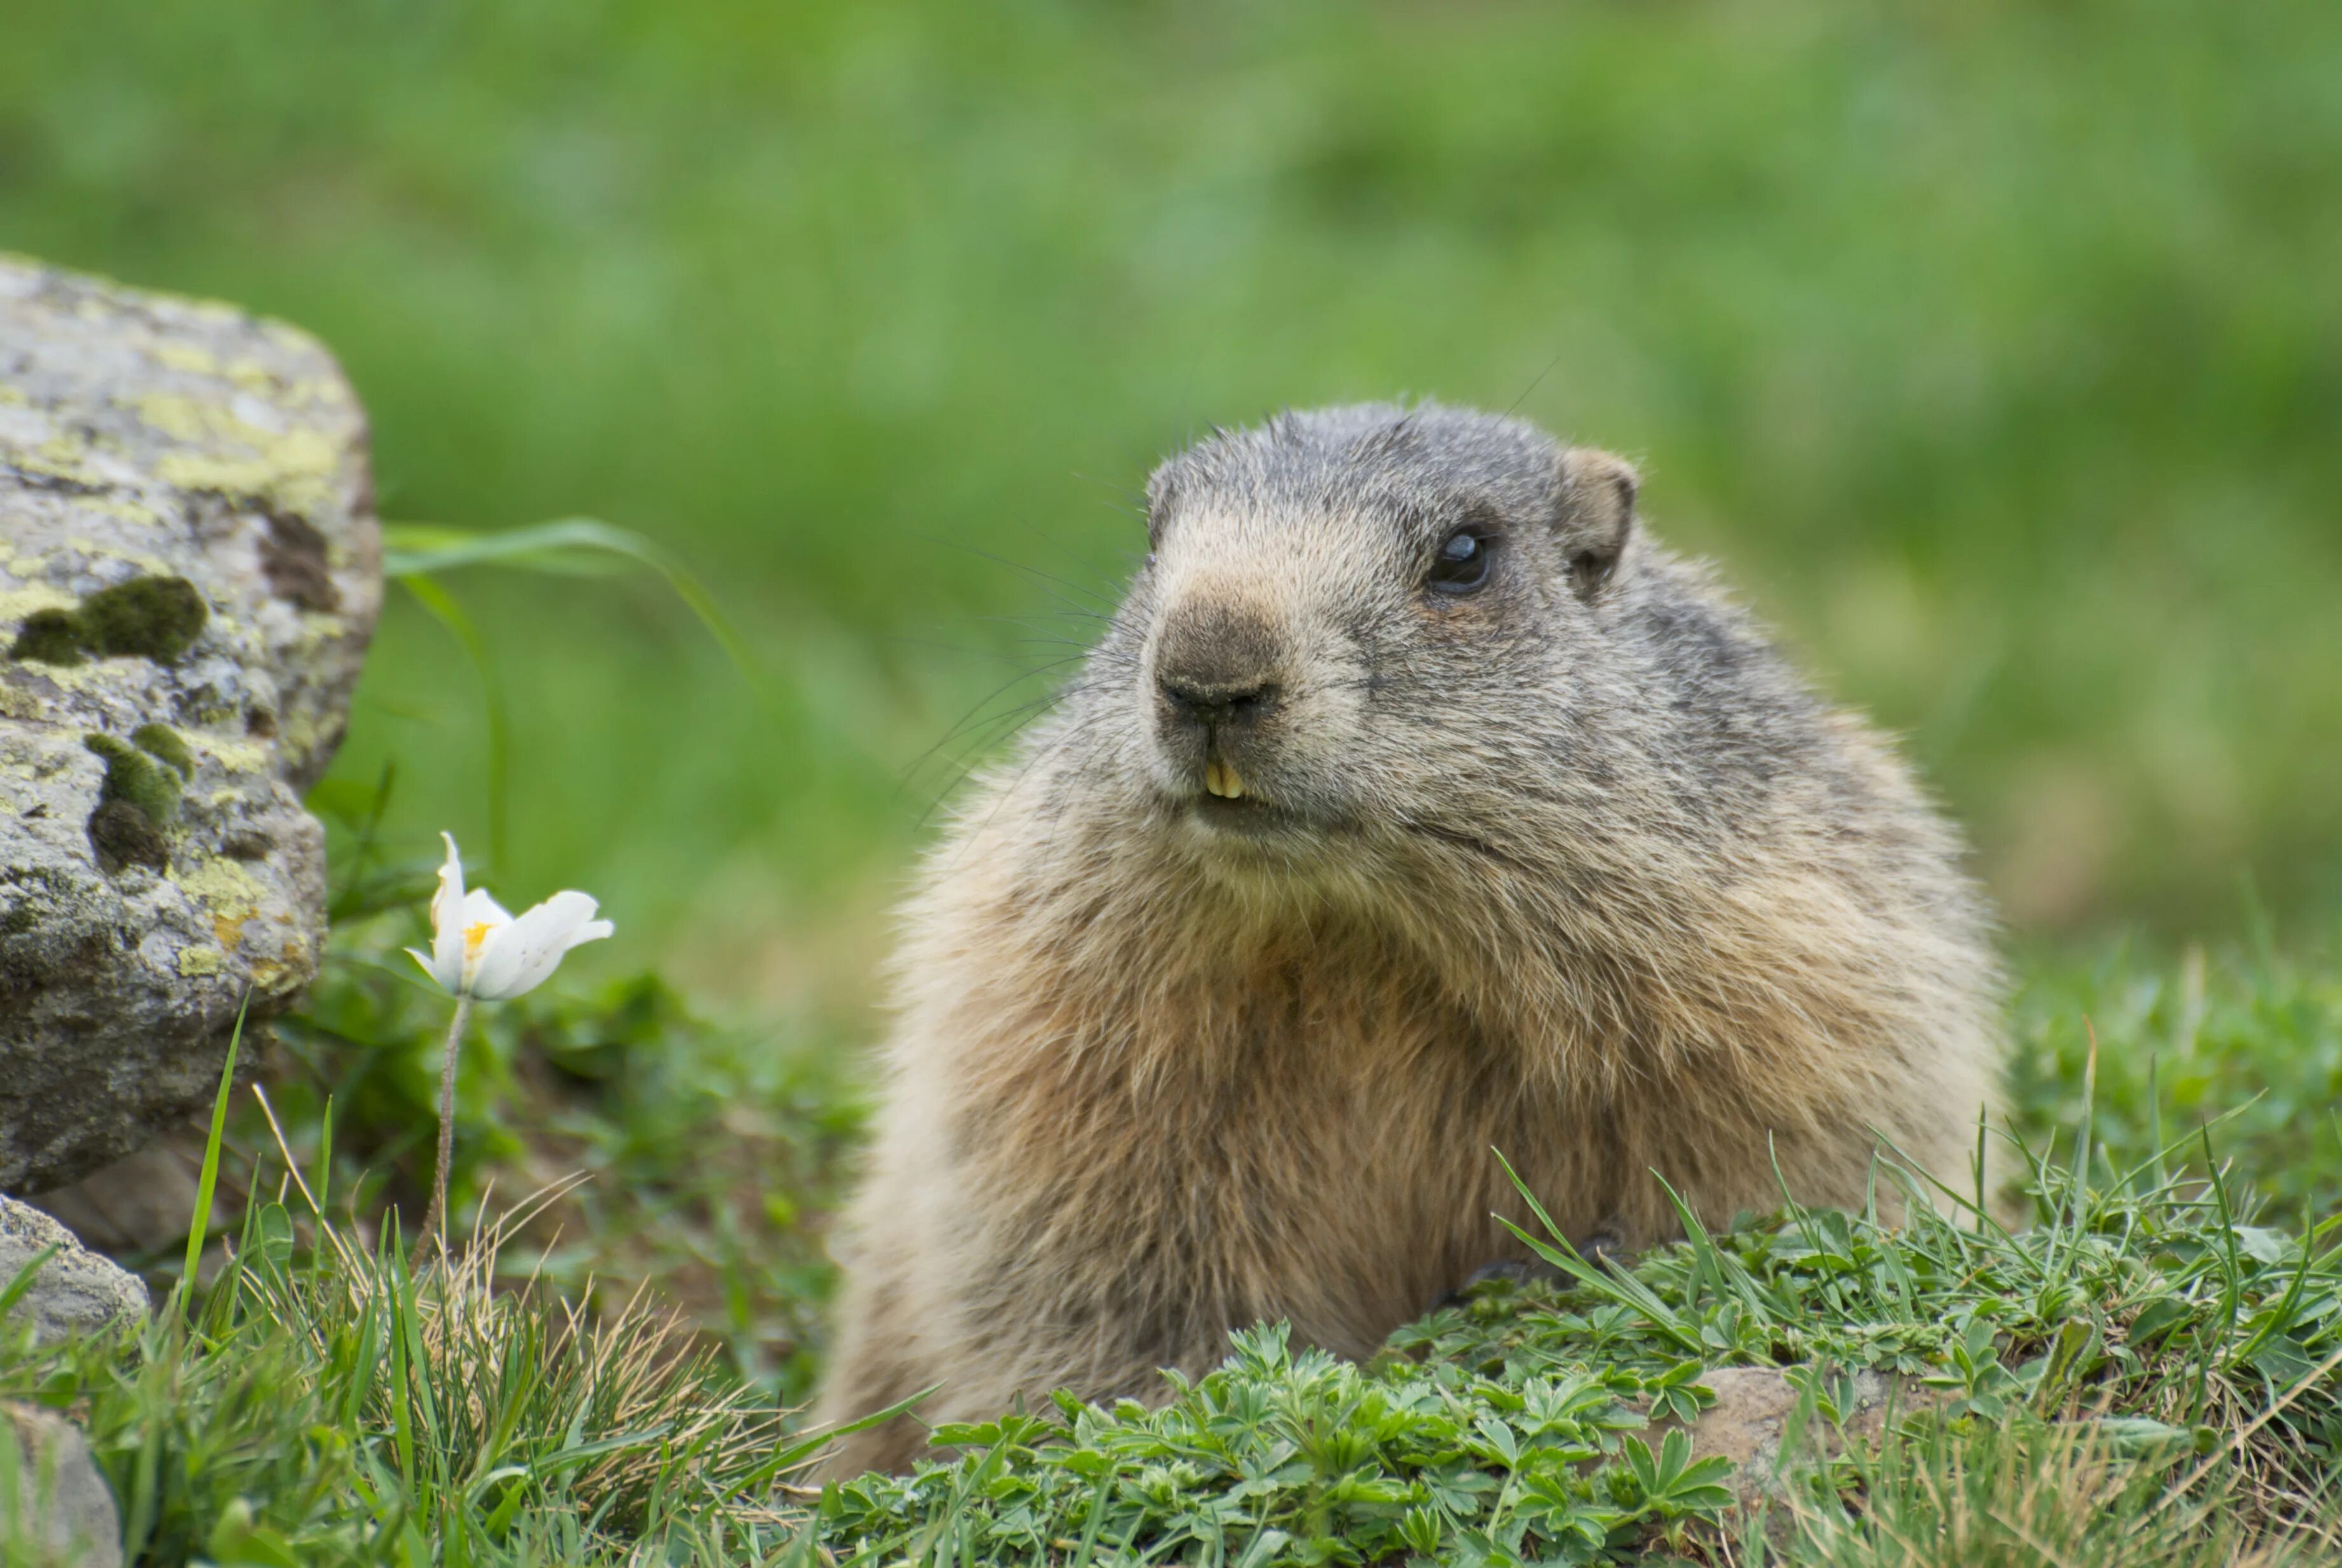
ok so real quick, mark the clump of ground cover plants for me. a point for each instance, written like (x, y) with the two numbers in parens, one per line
(2145, 1370)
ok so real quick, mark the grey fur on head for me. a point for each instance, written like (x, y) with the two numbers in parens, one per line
(1414, 802)
(1589, 664)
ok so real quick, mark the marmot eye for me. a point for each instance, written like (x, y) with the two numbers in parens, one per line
(1462, 564)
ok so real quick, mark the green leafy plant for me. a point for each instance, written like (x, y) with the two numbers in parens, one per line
(1506, 1429)
(1672, 1484)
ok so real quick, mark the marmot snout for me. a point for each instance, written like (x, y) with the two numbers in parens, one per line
(1413, 803)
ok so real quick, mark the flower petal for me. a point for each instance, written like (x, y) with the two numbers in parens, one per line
(592, 931)
(425, 959)
(484, 919)
(446, 966)
(520, 957)
(481, 909)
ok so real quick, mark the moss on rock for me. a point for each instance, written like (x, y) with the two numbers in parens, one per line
(122, 837)
(51, 637)
(158, 618)
(162, 744)
(135, 779)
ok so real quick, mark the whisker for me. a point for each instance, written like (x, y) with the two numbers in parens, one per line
(973, 715)
(1109, 605)
(1533, 386)
(964, 763)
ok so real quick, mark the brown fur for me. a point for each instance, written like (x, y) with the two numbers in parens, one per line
(1572, 868)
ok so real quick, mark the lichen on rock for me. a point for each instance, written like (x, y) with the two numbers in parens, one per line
(189, 571)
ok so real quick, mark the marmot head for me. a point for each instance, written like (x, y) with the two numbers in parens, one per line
(1362, 622)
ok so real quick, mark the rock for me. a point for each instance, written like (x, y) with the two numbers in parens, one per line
(140, 1204)
(75, 1292)
(60, 1506)
(1753, 1409)
(189, 571)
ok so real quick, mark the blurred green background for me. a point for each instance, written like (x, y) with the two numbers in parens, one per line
(1995, 348)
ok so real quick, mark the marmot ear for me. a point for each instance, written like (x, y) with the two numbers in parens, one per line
(1596, 515)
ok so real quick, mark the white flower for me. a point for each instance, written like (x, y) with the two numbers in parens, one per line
(479, 950)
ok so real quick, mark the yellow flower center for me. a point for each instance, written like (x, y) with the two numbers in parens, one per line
(474, 935)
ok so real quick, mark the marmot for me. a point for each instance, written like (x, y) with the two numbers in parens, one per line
(1414, 805)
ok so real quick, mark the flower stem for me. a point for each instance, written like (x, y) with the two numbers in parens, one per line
(435, 1217)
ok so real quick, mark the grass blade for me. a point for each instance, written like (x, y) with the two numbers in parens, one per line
(207, 1183)
(415, 549)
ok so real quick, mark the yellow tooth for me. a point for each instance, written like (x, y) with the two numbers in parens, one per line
(1222, 780)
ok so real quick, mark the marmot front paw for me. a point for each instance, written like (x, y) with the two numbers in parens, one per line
(1603, 1243)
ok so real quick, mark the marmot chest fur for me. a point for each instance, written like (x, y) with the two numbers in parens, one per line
(1414, 805)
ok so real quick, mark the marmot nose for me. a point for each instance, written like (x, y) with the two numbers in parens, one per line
(1216, 660)
(1217, 703)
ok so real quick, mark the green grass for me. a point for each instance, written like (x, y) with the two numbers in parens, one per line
(1993, 349)
(2157, 1346)
(2247, 1039)
(693, 1160)
(322, 1406)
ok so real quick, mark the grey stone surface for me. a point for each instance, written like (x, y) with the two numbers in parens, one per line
(75, 1292)
(61, 1508)
(155, 863)
(1754, 1411)
(139, 1204)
